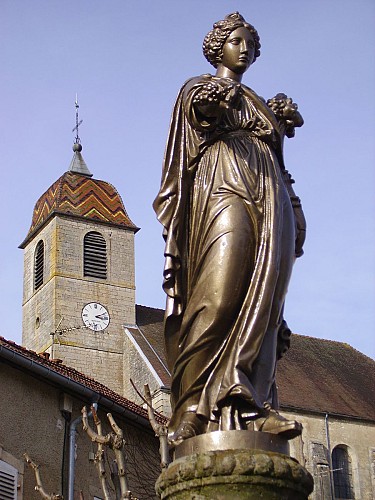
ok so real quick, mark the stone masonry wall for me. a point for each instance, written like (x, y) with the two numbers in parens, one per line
(38, 318)
(357, 435)
(58, 303)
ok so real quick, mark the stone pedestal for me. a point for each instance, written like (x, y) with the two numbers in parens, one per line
(234, 473)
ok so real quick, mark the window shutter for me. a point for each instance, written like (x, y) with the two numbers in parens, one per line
(8, 481)
(322, 478)
(39, 265)
(95, 255)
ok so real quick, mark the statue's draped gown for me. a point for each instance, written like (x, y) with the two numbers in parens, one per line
(230, 246)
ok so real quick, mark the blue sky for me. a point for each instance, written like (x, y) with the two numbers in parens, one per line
(127, 60)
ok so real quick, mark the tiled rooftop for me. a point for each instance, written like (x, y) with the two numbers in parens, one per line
(315, 375)
(77, 195)
(72, 374)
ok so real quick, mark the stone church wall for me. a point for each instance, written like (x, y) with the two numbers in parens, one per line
(357, 435)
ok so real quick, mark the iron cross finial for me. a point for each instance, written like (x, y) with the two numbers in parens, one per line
(78, 122)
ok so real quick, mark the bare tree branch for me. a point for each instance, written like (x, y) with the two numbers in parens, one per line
(117, 446)
(161, 431)
(39, 486)
(115, 440)
(100, 439)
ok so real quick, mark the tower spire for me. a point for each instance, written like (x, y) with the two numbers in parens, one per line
(78, 164)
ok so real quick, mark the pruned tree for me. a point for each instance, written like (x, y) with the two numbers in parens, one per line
(161, 430)
(115, 441)
(39, 486)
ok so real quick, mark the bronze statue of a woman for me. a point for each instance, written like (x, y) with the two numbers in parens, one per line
(233, 228)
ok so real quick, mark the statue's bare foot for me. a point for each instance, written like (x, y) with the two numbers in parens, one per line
(277, 424)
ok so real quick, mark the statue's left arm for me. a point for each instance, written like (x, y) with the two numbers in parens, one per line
(288, 117)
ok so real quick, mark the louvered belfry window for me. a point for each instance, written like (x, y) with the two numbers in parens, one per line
(39, 265)
(94, 255)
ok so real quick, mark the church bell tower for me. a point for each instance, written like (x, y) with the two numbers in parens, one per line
(79, 283)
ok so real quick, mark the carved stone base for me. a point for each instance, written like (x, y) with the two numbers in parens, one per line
(234, 474)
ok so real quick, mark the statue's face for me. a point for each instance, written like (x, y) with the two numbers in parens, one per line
(238, 51)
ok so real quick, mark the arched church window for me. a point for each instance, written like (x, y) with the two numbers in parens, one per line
(39, 265)
(342, 473)
(94, 255)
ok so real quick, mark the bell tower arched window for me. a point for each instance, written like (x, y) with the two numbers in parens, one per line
(94, 255)
(39, 265)
(342, 473)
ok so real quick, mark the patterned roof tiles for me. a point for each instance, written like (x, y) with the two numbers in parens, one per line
(78, 195)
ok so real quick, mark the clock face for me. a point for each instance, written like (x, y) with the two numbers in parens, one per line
(95, 316)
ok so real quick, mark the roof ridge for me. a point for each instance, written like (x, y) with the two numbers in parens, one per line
(151, 307)
(325, 340)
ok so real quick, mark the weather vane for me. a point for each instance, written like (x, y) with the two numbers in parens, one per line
(78, 122)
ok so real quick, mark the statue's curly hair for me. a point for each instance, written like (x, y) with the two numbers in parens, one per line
(214, 40)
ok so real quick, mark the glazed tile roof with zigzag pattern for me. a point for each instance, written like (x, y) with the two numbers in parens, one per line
(78, 195)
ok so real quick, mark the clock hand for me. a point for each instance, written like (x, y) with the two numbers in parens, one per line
(102, 316)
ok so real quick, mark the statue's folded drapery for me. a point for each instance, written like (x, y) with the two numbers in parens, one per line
(230, 246)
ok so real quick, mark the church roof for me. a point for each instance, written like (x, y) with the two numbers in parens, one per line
(77, 195)
(327, 377)
(149, 338)
(315, 375)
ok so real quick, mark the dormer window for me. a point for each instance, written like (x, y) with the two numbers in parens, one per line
(39, 265)
(94, 255)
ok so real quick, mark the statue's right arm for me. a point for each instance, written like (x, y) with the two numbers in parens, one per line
(208, 100)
